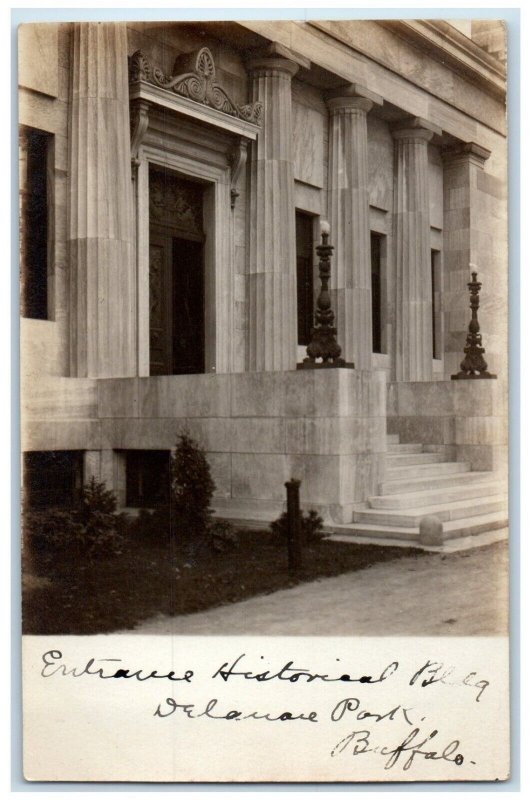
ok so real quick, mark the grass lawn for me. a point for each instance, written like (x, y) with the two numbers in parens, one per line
(115, 594)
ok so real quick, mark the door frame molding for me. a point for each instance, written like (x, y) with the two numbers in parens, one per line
(175, 144)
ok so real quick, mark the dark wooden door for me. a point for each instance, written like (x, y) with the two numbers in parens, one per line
(176, 275)
(177, 316)
(188, 292)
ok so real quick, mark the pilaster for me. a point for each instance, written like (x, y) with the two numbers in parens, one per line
(413, 336)
(464, 217)
(272, 343)
(100, 234)
(348, 205)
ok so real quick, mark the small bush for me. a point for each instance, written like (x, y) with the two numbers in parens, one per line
(222, 537)
(192, 488)
(311, 527)
(88, 530)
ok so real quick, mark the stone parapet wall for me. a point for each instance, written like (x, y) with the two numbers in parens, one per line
(466, 419)
(324, 427)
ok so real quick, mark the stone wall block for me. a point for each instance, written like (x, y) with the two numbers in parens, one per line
(479, 430)
(482, 395)
(484, 458)
(118, 398)
(214, 435)
(185, 396)
(221, 471)
(319, 476)
(61, 434)
(265, 435)
(255, 394)
(259, 476)
(425, 399)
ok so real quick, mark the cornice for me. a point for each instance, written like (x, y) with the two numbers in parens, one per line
(458, 52)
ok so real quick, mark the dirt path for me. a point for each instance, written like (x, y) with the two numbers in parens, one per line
(462, 593)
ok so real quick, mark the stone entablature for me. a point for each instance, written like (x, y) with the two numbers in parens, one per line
(193, 78)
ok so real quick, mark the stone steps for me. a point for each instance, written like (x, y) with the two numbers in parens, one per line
(471, 526)
(430, 497)
(406, 459)
(417, 485)
(472, 506)
(426, 470)
(411, 517)
(404, 448)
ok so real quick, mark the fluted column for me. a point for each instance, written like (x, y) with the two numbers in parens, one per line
(348, 184)
(272, 273)
(102, 280)
(413, 335)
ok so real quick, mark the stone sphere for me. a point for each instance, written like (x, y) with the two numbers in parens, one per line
(431, 531)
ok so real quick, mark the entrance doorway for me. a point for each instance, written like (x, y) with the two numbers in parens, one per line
(176, 275)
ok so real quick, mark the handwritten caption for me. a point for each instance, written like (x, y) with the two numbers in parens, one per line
(402, 735)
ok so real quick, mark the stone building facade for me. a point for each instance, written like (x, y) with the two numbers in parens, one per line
(173, 180)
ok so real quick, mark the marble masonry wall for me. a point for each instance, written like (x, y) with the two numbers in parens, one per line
(324, 427)
(465, 419)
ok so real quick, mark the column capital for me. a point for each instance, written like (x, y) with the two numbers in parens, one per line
(415, 128)
(466, 152)
(352, 96)
(275, 59)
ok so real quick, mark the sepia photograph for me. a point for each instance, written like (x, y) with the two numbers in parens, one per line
(264, 333)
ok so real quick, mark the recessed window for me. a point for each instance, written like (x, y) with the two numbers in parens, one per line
(53, 479)
(436, 303)
(34, 221)
(377, 254)
(147, 478)
(304, 250)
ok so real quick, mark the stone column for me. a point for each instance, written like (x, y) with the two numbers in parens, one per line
(348, 192)
(272, 269)
(102, 273)
(473, 232)
(413, 334)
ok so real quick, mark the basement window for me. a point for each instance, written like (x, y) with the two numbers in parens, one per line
(147, 478)
(53, 479)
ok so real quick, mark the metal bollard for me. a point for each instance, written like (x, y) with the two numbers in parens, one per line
(294, 527)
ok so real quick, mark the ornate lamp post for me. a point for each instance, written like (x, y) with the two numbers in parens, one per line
(473, 365)
(323, 344)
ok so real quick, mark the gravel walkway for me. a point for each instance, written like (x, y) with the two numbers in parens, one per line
(463, 593)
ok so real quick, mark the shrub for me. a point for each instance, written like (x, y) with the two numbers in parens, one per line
(192, 488)
(89, 530)
(311, 527)
(222, 536)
